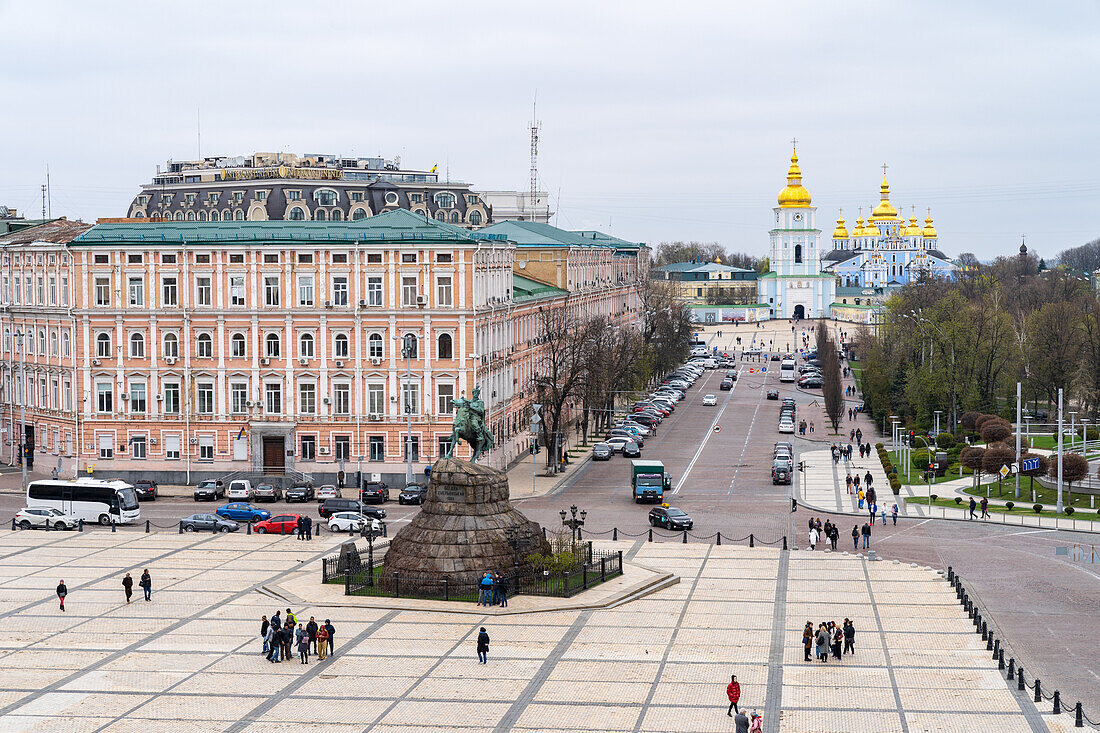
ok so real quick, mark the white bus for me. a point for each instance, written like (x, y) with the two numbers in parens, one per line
(786, 370)
(89, 499)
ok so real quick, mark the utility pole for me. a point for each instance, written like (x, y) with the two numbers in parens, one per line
(406, 352)
(1018, 415)
(535, 420)
(1059, 504)
(22, 412)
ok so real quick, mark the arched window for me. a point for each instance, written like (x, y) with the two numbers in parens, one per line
(798, 254)
(475, 218)
(445, 200)
(326, 197)
(444, 348)
(441, 215)
(103, 345)
(240, 348)
(65, 344)
(374, 346)
(296, 214)
(271, 345)
(413, 345)
(205, 346)
(340, 346)
(337, 215)
(305, 346)
(358, 214)
(139, 215)
(238, 215)
(319, 215)
(137, 346)
(214, 215)
(454, 217)
(227, 215)
(179, 216)
(190, 216)
(202, 216)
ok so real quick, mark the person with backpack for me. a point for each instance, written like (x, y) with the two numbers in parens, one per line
(855, 537)
(62, 591)
(146, 583)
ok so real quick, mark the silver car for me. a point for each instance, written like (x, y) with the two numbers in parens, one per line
(601, 452)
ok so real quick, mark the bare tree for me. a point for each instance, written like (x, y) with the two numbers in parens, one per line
(559, 374)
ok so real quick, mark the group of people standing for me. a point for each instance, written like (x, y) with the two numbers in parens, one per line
(827, 532)
(493, 590)
(304, 526)
(281, 633)
(830, 638)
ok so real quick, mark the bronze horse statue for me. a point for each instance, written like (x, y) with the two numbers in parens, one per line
(469, 425)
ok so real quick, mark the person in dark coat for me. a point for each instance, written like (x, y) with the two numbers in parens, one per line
(849, 637)
(264, 626)
(808, 640)
(311, 629)
(287, 635)
(128, 586)
(866, 532)
(331, 636)
(62, 591)
(483, 646)
(146, 583)
(742, 722)
(733, 692)
(855, 537)
(301, 525)
(309, 527)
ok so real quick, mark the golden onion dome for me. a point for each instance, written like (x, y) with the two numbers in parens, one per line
(857, 231)
(840, 232)
(795, 194)
(929, 231)
(911, 230)
(869, 229)
(885, 211)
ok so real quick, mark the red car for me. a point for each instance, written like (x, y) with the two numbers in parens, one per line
(279, 524)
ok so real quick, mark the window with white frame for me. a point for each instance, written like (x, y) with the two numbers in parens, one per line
(66, 394)
(375, 348)
(408, 290)
(203, 291)
(105, 397)
(340, 290)
(444, 291)
(238, 392)
(377, 444)
(445, 396)
(307, 399)
(171, 345)
(204, 398)
(239, 346)
(102, 291)
(271, 290)
(341, 399)
(374, 290)
(236, 291)
(305, 290)
(376, 399)
(340, 346)
(305, 346)
(410, 398)
(206, 447)
(273, 399)
(341, 445)
(444, 346)
(55, 396)
(137, 345)
(53, 342)
(309, 447)
(272, 346)
(138, 448)
(102, 345)
(138, 401)
(172, 445)
(41, 342)
(106, 446)
(205, 346)
(136, 290)
(53, 290)
(169, 291)
(64, 290)
(171, 398)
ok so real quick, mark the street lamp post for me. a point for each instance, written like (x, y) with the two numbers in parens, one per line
(408, 348)
(22, 412)
(573, 523)
(929, 473)
(938, 412)
(516, 538)
(367, 532)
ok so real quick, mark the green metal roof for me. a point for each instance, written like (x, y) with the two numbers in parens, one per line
(537, 234)
(397, 225)
(524, 288)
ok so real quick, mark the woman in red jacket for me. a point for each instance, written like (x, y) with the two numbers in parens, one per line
(733, 692)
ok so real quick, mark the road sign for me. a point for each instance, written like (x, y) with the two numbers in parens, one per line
(763, 369)
(535, 420)
(1005, 471)
(1029, 464)
(536, 407)
(717, 428)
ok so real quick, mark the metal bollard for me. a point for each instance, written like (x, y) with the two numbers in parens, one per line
(989, 641)
(13, 524)
(351, 531)
(685, 536)
(1001, 660)
(1038, 691)
(81, 525)
(1011, 668)
(112, 525)
(385, 530)
(396, 581)
(1057, 703)
(784, 542)
(950, 575)
(651, 534)
(752, 540)
(719, 539)
(1078, 716)
(446, 591)
(248, 528)
(614, 533)
(319, 525)
(1020, 678)
(47, 526)
(181, 527)
(146, 526)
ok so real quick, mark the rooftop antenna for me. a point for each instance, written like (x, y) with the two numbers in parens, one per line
(534, 150)
(49, 193)
(43, 200)
(198, 130)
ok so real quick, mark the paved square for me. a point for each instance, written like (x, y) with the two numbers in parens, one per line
(190, 659)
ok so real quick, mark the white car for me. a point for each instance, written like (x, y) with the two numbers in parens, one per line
(328, 491)
(617, 442)
(786, 426)
(710, 400)
(45, 518)
(241, 489)
(344, 521)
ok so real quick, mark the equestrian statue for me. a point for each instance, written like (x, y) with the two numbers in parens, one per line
(469, 425)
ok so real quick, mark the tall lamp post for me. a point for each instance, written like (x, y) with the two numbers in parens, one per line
(408, 351)
(930, 472)
(572, 522)
(22, 412)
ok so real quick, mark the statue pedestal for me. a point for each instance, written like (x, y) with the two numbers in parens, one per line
(464, 527)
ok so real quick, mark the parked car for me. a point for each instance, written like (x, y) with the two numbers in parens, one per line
(786, 426)
(601, 452)
(752, 351)
(279, 524)
(632, 450)
(268, 492)
(208, 523)
(145, 488)
(375, 491)
(241, 489)
(773, 394)
(45, 518)
(332, 506)
(413, 494)
(348, 521)
(328, 491)
(726, 385)
(710, 400)
(617, 442)
(813, 382)
(211, 489)
(670, 517)
(241, 512)
(781, 475)
(300, 492)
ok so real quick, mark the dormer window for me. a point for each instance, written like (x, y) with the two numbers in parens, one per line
(326, 197)
(445, 200)
(190, 199)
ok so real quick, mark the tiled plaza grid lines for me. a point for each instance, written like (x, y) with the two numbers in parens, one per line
(885, 649)
(773, 701)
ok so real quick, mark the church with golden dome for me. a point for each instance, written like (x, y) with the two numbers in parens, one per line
(884, 251)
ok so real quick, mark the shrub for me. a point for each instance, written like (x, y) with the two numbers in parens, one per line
(958, 500)
(1009, 505)
(995, 430)
(967, 419)
(981, 420)
(1094, 434)
(1037, 508)
(935, 496)
(945, 440)
(920, 462)
(880, 446)
(1068, 510)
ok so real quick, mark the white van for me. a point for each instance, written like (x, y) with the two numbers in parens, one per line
(710, 363)
(241, 489)
(787, 370)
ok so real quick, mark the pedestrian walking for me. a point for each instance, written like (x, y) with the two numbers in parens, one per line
(860, 497)
(894, 515)
(849, 637)
(733, 692)
(128, 586)
(855, 537)
(146, 583)
(848, 483)
(808, 640)
(813, 539)
(834, 536)
(742, 723)
(331, 636)
(868, 479)
(757, 724)
(859, 435)
(311, 629)
(265, 625)
(303, 645)
(322, 643)
(483, 646)
(62, 591)
(855, 482)
(872, 509)
(866, 532)
(811, 426)
(851, 435)
(973, 504)
(883, 510)
(985, 508)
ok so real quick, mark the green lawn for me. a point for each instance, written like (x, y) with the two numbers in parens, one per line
(916, 477)
(857, 374)
(1021, 508)
(1044, 496)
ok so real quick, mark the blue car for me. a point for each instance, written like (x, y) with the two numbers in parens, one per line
(243, 512)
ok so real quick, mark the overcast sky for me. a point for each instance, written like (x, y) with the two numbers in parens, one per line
(659, 120)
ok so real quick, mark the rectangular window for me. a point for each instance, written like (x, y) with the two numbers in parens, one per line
(206, 447)
(239, 393)
(172, 398)
(305, 258)
(168, 259)
(102, 291)
(169, 293)
(172, 447)
(339, 258)
(202, 259)
(236, 290)
(443, 257)
(67, 394)
(55, 396)
(136, 290)
(374, 258)
(410, 398)
(30, 290)
(53, 290)
(271, 258)
(443, 291)
(41, 291)
(294, 195)
(205, 398)
(273, 399)
(410, 442)
(445, 394)
(374, 291)
(237, 259)
(444, 446)
(408, 258)
(137, 447)
(271, 291)
(377, 445)
(99, 260)
(137, 398)
(376, 399)
(342, 444)
(105, 397)
(309, 448)
(341, 399)
(305, 290)
(340, 290)
(203, 295)
(408, 290)
(106, 447)
(261, 195)
(64, 290)
(307, 399)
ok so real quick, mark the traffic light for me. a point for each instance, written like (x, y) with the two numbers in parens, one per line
(801, 466)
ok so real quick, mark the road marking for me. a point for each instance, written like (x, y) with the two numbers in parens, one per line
(706, 437)
(748, 436)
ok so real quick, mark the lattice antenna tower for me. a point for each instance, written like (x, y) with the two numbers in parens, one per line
(534, 151)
